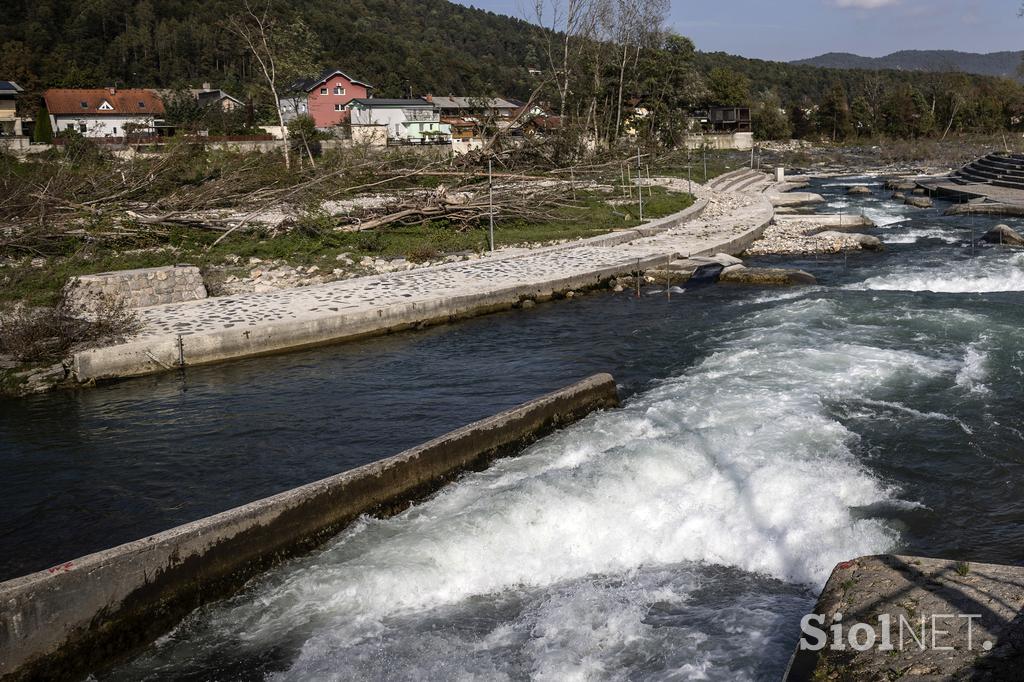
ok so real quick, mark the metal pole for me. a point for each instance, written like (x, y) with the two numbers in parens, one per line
(704, 151)
(490, 201)
(640, 183)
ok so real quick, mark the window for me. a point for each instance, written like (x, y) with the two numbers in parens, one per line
(323, 91)
(81, 127)
(339, 107)
(70, 126)
(105, 106)
(85, 105)
(142, 105)
(338, 90)
(115, 130)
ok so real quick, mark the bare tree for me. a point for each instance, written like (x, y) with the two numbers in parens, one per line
(637, 22)
(282, 51)
(573, 22)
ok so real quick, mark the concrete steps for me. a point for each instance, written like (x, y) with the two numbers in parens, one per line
(1001, 170)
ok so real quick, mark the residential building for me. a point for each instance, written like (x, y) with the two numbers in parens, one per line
(326, 97)
(398, 121)
(10, 122)
(730, 119)
(209, 96)
(484, 109)
(103, 112)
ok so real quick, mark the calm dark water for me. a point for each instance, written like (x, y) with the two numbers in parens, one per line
(768, 434)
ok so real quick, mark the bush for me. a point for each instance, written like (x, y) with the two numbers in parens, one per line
(36, 335)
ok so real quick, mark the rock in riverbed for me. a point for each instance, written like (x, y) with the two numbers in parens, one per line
(900, 185)
(766, 277)
(859, 189)
(865, 241)
(1003, 234)
(919, 202)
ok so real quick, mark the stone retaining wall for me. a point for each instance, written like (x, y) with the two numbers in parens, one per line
(140, 288)
(78, 616)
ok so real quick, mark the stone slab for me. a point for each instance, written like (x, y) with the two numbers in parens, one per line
(968, 616)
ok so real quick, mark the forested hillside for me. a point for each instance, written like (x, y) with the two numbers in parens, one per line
(1002, 64)
(433, 46)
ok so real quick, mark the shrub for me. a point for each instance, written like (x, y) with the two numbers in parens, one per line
(34, 335)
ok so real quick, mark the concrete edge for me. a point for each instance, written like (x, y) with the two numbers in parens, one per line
(86, 613)
(149, 357)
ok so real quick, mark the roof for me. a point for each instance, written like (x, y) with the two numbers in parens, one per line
(308, 84)
(212, 96)
(379, 103)
(119, 102)
(10, 86)
(472, 102)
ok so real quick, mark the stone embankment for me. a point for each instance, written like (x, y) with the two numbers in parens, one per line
(730, 215)
(80, 615)
(139, 288)
(912, 618)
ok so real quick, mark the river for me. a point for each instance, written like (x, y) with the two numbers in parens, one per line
(766, 435)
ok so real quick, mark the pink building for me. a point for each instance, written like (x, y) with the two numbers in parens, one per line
(327, 95)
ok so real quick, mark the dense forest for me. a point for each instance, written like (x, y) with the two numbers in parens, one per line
(613, 57)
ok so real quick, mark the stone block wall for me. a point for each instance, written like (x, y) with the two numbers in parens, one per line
(140, 288)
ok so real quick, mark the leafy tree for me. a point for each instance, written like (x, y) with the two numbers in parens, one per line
(769, 118)
(728, 88)
(834, 118)
(43, 131)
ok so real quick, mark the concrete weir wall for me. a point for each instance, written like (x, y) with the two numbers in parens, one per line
(81, 615)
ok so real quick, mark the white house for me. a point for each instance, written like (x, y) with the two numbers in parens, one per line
(103, 112)
(399, 121)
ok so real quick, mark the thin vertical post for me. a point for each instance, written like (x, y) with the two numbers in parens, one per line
(490, 201)
(704, 153)
(640, 183)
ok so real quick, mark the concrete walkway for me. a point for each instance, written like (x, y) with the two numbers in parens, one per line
(730, 214)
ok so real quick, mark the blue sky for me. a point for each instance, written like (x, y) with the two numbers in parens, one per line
(794, 29)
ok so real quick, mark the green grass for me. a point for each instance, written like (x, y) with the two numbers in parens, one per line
(314, 243)
(680, 165)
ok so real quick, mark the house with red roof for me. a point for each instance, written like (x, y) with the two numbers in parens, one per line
(325, 98)
(103, 112)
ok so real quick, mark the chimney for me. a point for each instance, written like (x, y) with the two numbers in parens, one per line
(113, 90)
(429, 98)
(207, 86)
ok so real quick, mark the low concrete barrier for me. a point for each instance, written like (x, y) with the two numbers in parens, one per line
(80, 615)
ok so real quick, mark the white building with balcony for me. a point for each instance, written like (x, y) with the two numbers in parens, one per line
(398, 121)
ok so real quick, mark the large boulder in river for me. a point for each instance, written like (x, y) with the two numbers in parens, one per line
(919, 202)
(767, 277)
(900, 185)
(859, 189)
(1003, 234)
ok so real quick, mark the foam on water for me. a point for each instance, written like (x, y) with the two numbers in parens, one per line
(554, 562)
(986, 274)
(912, 236)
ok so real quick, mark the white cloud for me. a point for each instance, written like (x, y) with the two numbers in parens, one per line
(866, 4)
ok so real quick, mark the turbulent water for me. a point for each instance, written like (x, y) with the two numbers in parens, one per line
(769, 435)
